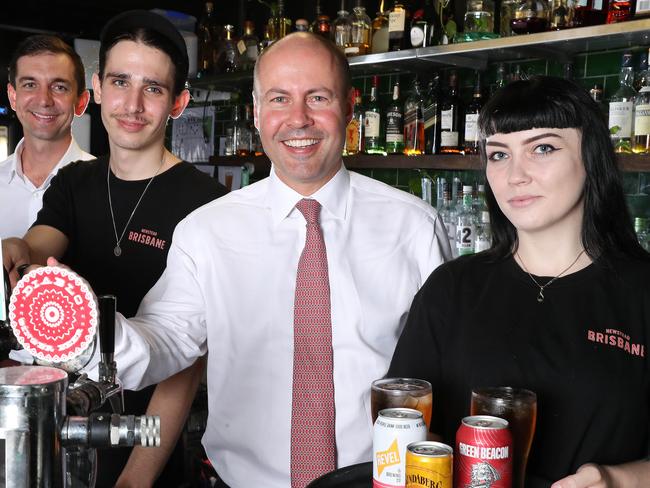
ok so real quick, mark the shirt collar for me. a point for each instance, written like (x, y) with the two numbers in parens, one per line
(14, 167)
(73, 153)
(333, 196)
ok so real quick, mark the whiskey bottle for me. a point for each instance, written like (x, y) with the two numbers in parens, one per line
(395, 124)
(321, 23)
(431, 116)
(279, 25)
(354, 130)
(398, 20)
(379, 42)
(414, 122)
(621, 108)
(360, 38)
(619, 11)
(471, 118)
(450, 118)
(589, 12)
(373, 141)
(248, 46)
(426, 28)
(641, 144)
(342, 28)
(228, 55)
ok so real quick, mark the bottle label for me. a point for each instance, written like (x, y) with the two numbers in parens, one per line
(642, 7)
(353, 137)
(465, 239)
(417, 36)
(241, 47)
(396, 21)
(642, 120)
(597, 5)
(482, 243)
(471, 127)
(394, 127)
(448, 139)
(351, 50)
(429, 115)
(447, 119)
(252, 52)
(620, 119)
(372, 124)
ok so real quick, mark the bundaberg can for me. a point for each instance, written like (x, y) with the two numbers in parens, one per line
(483, 452)
(394, 429)
(429, 465)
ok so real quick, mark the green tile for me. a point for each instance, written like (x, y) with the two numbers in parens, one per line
(610, 85)
(363, 171)
(388, 176)
(606, 63)
(405, 175)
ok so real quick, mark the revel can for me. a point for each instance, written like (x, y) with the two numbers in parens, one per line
(483, 453)
(429, 465)
(394, 429)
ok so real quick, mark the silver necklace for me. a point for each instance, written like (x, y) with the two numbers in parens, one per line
(117, 250)
(540, 296)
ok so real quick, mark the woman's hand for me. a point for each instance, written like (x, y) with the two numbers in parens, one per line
(587, 476)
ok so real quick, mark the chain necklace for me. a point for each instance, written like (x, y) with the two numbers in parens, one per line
(117, 250)
(540, 296)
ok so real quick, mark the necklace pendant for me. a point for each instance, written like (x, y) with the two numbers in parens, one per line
(540, 297)
(117, 250)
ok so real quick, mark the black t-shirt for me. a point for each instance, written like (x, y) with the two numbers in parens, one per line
(583, 351)
(76, 203)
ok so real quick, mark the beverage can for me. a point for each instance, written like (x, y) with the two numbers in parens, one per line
(429, 464)
(394, 429)
(483, 452)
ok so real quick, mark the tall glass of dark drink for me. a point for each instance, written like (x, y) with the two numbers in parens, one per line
(519, 408)
(402, 393)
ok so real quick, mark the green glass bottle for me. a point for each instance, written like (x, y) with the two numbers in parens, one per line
(373, 138)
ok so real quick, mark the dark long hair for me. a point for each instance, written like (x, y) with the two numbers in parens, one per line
(546, 101)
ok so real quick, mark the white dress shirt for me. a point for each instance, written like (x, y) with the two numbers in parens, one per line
(20, 199)
(229, 289)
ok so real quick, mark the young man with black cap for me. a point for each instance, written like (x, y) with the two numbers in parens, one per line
(112, 220)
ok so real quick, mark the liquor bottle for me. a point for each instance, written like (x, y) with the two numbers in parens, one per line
(642, 9)
(266, 40)
(342, 28)
(596, 93)
(373, 140)
(621, 108)
(398, 20)
(431, 116)
(414, 122)
(206, 42)
(279, 24)
(500, 81)
(531, 16)
(426, 28)
(395, 124)
(228, 55)
(466, 225)
(450, 118)
(354, 130)
(589, 12)
(380, 33)
(561, 15)
(619, 11)
(360, 38)
(321, 23)
(471, 118)
(483, 240)
(449, 217)
(641, 144)
(478, 21)
(241, 133)
(642, 73)
(248, 46)
(302, 25)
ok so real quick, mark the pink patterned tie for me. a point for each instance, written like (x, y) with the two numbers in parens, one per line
(313, 437)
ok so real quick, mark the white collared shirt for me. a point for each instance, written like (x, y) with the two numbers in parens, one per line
(229, 288)
(20, 199)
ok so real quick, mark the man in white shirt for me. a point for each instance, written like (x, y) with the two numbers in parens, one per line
(46, 90)
(230, 280)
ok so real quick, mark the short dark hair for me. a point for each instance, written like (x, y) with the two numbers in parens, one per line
(39, 44)
(547, 101)
(340, 60)
(152, 30)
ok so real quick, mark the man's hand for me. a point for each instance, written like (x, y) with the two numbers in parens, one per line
(15, 254)
(587, 476)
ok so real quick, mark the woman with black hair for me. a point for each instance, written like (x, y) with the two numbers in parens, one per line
(559, 305)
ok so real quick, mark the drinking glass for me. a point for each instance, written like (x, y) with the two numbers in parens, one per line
(519, 408)
(401, 393)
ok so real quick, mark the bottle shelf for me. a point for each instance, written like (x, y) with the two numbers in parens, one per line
(558, 45)
(452, 162)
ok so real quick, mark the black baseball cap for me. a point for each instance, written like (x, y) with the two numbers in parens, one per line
(135, 19)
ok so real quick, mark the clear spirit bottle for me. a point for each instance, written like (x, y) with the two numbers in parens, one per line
(360, 38)
(466, 225)
(342, 29)
(621, 108)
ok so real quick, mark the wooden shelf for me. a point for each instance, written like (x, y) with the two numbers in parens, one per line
(627, 162)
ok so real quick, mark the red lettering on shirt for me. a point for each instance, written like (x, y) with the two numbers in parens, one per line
(617, 339)
(148, 238)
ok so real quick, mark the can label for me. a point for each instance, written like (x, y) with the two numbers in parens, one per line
(483, 453)
(429, 465)
(395, 429)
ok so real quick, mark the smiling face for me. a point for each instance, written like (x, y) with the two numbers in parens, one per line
(45, 96)
(301, 111)
(136, 95)
(537, 177)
